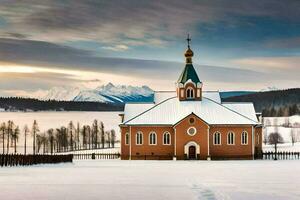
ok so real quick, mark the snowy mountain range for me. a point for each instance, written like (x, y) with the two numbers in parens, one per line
(108, 93)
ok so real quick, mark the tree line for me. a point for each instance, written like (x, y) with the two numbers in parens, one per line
(272, 103)
(65, 138)
(30, 104)
(282, 111)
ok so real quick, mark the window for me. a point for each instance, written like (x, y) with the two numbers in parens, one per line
(192, 131)
(152, 138)
(190, 93)
(192, 120)
(257, 140)
(230, 138)
(127, 138)
(244, 139)
(217, 138)
(167, 138)
(139, 138)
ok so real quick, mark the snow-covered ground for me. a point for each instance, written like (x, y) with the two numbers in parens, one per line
(116, 179)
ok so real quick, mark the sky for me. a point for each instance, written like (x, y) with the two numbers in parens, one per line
(238, 45)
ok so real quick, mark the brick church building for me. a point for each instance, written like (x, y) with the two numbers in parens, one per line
(189, 123)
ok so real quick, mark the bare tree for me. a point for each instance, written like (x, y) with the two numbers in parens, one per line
(95, 132)
(113, 138)
(71, 133)
(274, 139)
(107, 134)
(102, 135)
(3, 129)
(35, 130)
(77, 135)
(10, 125)
(15, 137)
(294, 136)
(26, 131)
(51, 139)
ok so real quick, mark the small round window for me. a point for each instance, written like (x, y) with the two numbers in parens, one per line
(191, 131)
(192, 120)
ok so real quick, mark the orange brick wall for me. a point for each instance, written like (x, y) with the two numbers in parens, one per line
(231, 151)
(223, 151)
(182, 138)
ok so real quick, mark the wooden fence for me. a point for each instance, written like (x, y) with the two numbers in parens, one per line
(104, 156)
(282, 155)
(23, 160)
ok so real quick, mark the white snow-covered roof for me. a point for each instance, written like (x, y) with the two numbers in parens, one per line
(244, 108)
(163, 95)
(171, 111)
(133, 109)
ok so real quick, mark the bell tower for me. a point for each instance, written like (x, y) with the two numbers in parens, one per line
(189, 86)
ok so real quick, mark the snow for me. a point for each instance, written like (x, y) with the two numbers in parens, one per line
(289, 147)
(47, 120)
(171, 111)
(246, 109)
(131, 109)
(116, 179)
(108, 93)
(160, 96)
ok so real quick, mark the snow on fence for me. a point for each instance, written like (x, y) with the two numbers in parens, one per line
(283, 155)
(23, 160)
(94, 156)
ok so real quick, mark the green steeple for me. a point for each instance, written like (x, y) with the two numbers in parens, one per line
(189, 71)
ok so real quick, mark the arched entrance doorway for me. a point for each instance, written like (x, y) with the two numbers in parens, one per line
(192, 152)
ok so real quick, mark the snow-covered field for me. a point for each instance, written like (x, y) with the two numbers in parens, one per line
(116, 179)
(52, 119)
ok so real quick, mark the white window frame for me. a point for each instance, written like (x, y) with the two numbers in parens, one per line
(192, 127)
(138, 138)
(155, 138)
(167, 133)
(220, 139)
(127, 141)
(191, 89)
(233, 138)
(247, 138)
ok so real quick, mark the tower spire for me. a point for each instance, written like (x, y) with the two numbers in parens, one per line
(188, 40)
(188, 53)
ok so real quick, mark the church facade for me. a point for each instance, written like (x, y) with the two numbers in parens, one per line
(190, 124)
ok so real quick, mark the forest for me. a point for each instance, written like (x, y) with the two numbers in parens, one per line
(29, 104)
(279, 103)
(62, 139)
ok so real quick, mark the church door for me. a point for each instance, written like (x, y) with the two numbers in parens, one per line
(192, 152)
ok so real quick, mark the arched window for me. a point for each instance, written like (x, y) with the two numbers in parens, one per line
(167, 138)
(139, 138)
(217, 138)
(190, 93)
(152, 138)
(230, 138)
(127, 138)
(244, 138)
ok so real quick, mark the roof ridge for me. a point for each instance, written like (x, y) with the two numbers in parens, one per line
(148, 109)
(231, 110)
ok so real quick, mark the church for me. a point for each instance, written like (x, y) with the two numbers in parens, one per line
(189, 124)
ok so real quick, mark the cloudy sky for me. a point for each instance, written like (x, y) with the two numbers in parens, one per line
(238, 45)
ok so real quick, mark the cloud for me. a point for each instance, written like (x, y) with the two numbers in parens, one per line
(132, 22)
(119, 47)
(285, 43)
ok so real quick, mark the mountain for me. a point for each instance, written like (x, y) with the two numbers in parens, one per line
(228, 94)
(110, 93)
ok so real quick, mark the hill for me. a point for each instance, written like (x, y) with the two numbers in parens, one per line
(272, 103)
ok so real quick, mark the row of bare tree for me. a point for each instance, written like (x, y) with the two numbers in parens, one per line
(65, 138)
